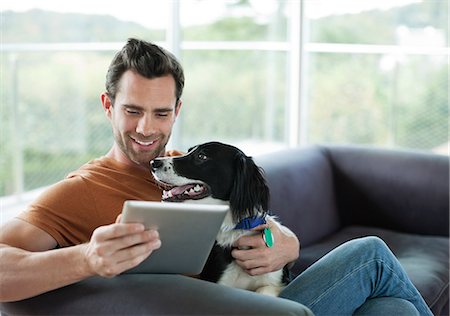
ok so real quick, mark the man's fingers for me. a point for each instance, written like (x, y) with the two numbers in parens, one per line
(252, 258)
(118, 247)
(244, 255)
(130, 257)
(253, 267)
(134, 239)
(112, 246)
(122, 266)
(254, 241)
(117, 230)
(137, 250)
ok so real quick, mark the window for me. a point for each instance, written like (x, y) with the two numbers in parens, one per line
(260, 74)
(237, 69)
(379, 76)
(53, 66)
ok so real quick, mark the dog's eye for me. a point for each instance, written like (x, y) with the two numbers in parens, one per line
(202, 157)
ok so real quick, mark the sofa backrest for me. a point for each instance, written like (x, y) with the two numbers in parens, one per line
(404, 190)
(301, 191)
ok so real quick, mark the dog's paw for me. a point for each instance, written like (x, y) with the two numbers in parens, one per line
(269, 290)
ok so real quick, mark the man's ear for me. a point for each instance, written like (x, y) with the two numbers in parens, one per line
(106, 104)
(178, 107)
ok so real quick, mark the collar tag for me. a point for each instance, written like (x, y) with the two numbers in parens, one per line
(269, 240)
(250, 222)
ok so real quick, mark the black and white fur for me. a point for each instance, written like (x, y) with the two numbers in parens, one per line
(218, 173)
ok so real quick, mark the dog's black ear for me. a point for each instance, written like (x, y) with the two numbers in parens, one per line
(250, 192)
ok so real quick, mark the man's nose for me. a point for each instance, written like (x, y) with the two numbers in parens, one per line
(145, 126)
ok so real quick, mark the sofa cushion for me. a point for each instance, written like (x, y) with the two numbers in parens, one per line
(425, 259)
(301, 191)
(151, 294)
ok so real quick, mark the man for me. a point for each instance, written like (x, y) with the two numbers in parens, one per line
(72, 231)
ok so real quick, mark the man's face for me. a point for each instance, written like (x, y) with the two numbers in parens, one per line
(142, 116)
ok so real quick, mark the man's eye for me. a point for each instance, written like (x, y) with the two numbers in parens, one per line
(162, 115)
(132, 112)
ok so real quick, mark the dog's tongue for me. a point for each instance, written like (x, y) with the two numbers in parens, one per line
(180, 190)
(183, 192)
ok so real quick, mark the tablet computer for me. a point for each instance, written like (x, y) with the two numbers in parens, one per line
(187, 232)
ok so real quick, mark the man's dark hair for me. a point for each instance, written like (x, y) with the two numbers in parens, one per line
(148, 60)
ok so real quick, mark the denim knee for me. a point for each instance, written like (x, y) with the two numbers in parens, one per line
(371, 244)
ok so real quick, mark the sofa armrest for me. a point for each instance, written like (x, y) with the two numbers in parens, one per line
(396, 189)
(151, 294)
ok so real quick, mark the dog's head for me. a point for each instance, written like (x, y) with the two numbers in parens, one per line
(215, 170)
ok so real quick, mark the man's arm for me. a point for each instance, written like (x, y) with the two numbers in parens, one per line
(260, 259)
(30, 265)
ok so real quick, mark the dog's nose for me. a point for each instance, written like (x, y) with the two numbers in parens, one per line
(155, 164)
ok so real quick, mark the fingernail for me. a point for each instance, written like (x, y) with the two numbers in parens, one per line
(139, 227)
(153, 233)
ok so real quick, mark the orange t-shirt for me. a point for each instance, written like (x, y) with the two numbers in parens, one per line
(90, 197)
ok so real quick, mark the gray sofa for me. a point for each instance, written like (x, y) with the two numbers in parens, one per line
(331, 194)
(326, 195)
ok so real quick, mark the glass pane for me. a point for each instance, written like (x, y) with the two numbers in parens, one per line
(360, 103)
(84, 24)
(404, 22)
(387, 83)
(53, 125)
(236, 90)
(234, 96)
(234, 20)
(54, 60)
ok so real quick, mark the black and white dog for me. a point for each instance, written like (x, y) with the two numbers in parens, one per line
(219, 173)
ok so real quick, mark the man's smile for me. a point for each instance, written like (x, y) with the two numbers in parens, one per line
(143, 143)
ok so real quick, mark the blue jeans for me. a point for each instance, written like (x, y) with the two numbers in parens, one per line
(360, 277)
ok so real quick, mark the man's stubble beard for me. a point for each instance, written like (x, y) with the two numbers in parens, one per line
(142, 159)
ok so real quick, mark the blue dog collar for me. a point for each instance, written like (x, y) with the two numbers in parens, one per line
(250, 222)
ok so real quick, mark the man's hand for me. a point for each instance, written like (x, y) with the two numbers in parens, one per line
(118, 247)
(30, 265)
(256, 258)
